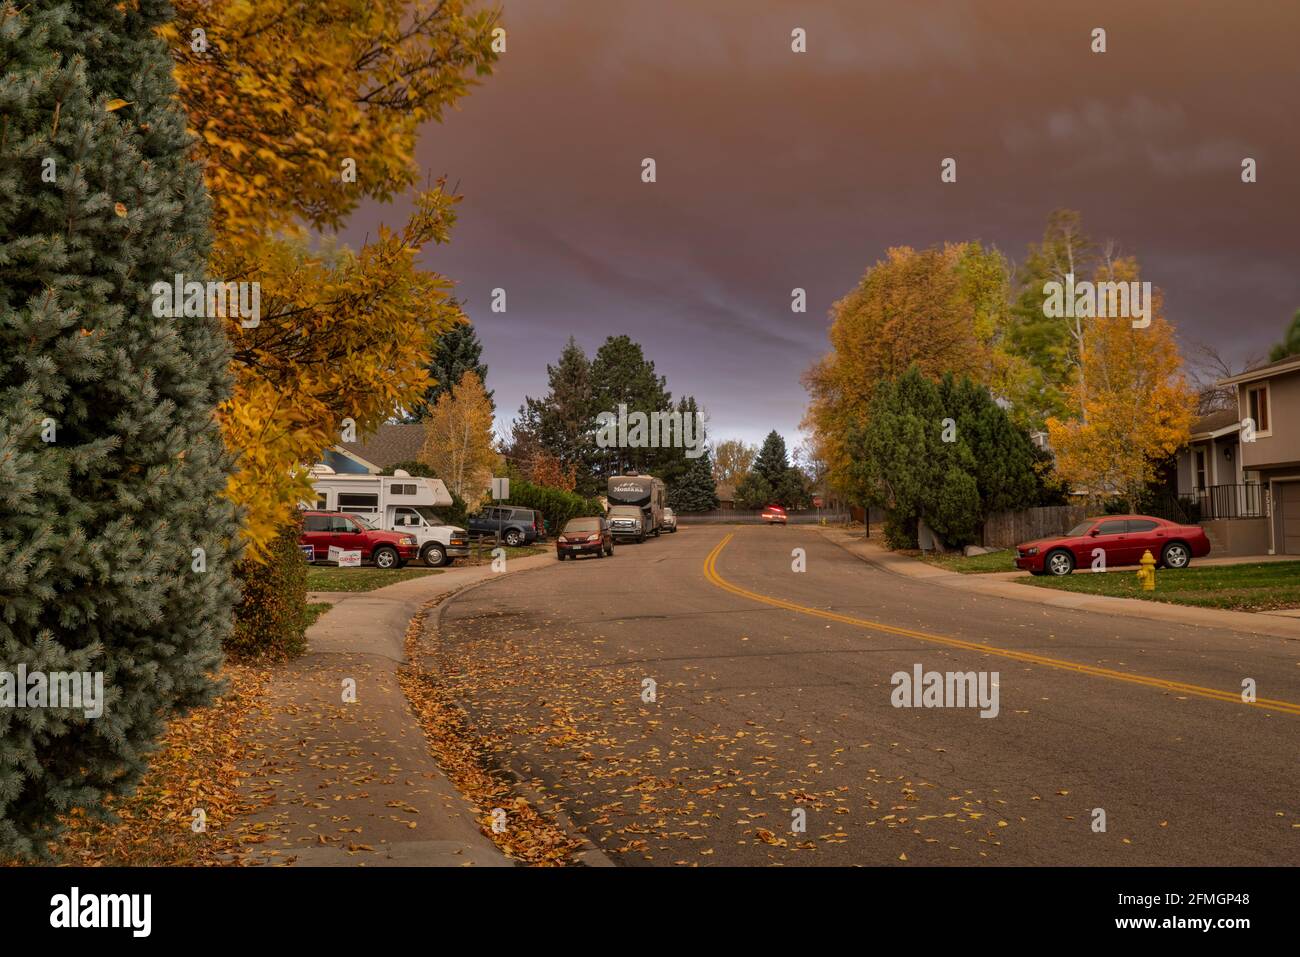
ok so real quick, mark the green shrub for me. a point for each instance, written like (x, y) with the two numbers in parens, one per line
(271, 619)
(556, 506)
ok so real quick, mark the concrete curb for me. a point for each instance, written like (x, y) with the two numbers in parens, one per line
(591, 855)
(1254, 623)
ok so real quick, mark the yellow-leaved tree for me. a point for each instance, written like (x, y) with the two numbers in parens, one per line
(301, 111)
(1135, 404)
(458, 440)
(943, 309)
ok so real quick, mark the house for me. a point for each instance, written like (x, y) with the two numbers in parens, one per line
(1217, 489)
(1269, 396)
(389, 445)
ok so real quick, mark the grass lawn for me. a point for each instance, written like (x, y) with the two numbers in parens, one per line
(314, 610)
(364, 578)
(1255, 587)
(1003, 561)
(523, 551)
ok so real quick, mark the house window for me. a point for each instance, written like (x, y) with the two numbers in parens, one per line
(1257, 407)
(1199, 455)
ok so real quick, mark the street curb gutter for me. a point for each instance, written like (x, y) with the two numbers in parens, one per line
(1253, 623)
(590, 855)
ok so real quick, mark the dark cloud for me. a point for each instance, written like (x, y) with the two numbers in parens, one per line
(779, 170)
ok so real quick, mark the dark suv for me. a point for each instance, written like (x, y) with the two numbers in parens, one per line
(518, 526)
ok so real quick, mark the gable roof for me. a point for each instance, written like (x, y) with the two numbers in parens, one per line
(388, 445)
(1289, 364)
(1215, 424)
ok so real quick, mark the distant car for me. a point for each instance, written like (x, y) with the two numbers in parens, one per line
(1123, 539)
(518, 526)
(584, 536)
(352, 532)
(670, 520)
(774, 515)
(627, 521)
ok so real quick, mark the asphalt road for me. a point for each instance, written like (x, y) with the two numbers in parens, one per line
(772, 702)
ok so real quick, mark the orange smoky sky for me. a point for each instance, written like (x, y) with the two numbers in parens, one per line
(779, 170)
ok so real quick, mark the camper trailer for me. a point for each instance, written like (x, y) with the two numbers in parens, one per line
(644, 491)
(396, 503)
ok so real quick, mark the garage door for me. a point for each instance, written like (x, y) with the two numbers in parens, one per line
(1289, 500)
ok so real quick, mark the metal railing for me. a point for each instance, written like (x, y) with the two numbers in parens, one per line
(1249, 500)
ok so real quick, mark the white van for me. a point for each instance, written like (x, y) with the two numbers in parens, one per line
(396, 503)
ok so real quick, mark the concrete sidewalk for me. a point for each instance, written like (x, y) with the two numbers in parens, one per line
(353, 784)
(997, 584)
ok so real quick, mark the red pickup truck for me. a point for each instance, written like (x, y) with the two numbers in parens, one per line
(350, 532)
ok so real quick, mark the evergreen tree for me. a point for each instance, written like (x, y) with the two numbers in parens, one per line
(943, 451)
(696, 490)
(562, 421)
(1290, 344)
(772, 461)
(620, 373)
(111, 467)
(455, 352)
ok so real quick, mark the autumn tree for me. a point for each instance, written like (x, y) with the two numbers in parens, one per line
(302, 111)
(942, 309)
(458, 441)
(546, 470)
(732, 459)
(1136, 405)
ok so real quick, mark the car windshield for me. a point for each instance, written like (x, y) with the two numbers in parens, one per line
(430, 516)
(625, 511)
(1081, 528)
(582, 525)
(370, 522)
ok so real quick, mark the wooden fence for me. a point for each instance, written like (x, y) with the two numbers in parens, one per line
(1008, 529)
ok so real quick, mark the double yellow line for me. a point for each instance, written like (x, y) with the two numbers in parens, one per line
(1177, 687)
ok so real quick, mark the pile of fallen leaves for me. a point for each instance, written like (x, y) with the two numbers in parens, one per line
(530, 835)
(196, 768)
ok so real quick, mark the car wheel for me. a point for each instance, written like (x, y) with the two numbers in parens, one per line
(386, 557)
(1176, 555)
(514, 537)
(435, 556)
(1058, 563)
(610, 551)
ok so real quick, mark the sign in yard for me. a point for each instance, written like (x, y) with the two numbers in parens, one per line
(500, 488)
(346, 559)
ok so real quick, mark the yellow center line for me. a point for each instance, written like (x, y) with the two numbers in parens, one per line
(1232, 697)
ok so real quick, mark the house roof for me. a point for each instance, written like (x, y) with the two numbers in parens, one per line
(1289, 364)
(1216, 424)
(726, 492)
(388, 445)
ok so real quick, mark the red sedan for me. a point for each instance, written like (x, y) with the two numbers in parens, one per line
(1123, 539)
(774, 515)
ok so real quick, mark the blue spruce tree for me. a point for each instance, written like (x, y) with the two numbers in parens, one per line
(115, 543)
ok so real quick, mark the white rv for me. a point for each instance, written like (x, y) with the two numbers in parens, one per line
(397, 503)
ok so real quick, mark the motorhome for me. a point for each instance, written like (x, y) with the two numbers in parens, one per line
(644, 491)
(395, 503)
